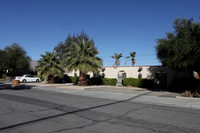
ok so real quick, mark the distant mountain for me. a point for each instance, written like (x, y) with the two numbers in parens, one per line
(33, 64)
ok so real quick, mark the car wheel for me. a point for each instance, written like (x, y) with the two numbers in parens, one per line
(24, 80)
(37, 80)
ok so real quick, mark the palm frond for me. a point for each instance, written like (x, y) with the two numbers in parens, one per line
(50, 64)
(83, 56)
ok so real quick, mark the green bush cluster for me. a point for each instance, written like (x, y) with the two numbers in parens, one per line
(95, 81)
(109, 81)
(144, 83)
(66, 79)
(73, 79)
(3, 76)
(102, 81)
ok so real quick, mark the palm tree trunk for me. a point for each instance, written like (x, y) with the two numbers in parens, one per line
(51, 79)
(133, 62)
(82, 80)
(45, 80)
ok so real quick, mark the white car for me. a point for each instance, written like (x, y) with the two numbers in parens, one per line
(28, 78)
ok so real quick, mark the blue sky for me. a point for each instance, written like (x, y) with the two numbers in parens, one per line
(117, 26)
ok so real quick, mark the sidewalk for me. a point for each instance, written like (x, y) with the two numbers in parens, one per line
(127, 94)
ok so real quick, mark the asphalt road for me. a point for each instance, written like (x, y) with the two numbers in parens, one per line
(32, 110)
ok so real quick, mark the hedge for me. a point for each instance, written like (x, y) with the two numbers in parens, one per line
(102, 81)
(66, 79)
(144, 83)
(92, 81)
(109, 81)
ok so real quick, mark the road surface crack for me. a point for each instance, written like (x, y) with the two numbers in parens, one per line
(74, 128)
(92, 123)
(54, 108)
(133, 110)
(11, 110)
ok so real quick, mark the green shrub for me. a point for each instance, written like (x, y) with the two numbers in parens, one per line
(109, 81)
(147, 83)
(3, 76)
(42, 78)
(73, 79)
(59, 79)
(95, 81)
(102, 81)
(144, 83)
(64, 79)
(129, 81)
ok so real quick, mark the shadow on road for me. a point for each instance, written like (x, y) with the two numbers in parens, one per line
(70, 112)
(166, 89)
(7, 86)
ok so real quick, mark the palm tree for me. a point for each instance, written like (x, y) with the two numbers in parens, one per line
(132, 56)
(82, 57)
(117, 57)
(50, 66)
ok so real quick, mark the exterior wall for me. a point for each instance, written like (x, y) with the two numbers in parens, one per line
(148, 72)
(73, 73)
(131, 71)
(111, 72)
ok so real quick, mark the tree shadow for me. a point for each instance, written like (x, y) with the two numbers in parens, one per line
(170, 80)
(4, 86)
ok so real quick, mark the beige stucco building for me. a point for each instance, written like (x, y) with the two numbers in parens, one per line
(163, 74)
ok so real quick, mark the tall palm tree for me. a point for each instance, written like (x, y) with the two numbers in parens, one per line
(132, 56)
(117, 57)
(50, 66)
(83, 57)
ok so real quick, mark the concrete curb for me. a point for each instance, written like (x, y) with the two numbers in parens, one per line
(188, 98)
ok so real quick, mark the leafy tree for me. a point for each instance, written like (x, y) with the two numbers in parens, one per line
(117, 61)
(2, 60)
(50, 66)
(62, 48)
(132, 56)
(14, 58)
(82, 56)
(181, 49)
